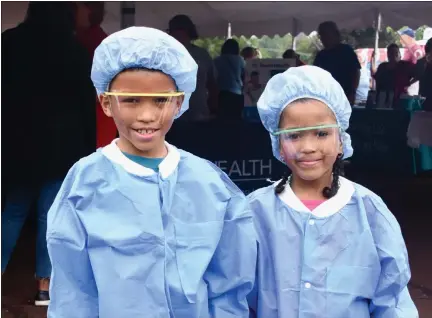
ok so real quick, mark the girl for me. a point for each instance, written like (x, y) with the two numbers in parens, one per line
(141, 228)
(327, 247)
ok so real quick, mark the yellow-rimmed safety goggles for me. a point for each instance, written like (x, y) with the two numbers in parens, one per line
(155, 107)
(161, 94)
(139, 101)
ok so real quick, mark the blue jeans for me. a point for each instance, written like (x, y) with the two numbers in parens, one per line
(18, 202)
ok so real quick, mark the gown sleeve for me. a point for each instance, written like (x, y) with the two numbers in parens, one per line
(73, 289)
(391, 299)
(231, 273)
(253, 295)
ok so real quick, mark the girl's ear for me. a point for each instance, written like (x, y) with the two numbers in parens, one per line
(179, 103)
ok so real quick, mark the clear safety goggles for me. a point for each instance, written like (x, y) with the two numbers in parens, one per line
(152, 107)
(298, 143)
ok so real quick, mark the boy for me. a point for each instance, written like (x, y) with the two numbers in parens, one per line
(141, 228)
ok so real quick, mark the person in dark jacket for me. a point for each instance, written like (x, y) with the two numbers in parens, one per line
(48, 110)
(338, 59)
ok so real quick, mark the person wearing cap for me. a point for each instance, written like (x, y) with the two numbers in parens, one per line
(413, 53)
(327, 247)
(141, 228)
(204, 101)
(339, 59)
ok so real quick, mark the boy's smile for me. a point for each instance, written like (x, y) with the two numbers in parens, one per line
(142, 122)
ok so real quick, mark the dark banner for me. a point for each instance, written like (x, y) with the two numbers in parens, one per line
(243, 151)
(240, 149)
(379, 139)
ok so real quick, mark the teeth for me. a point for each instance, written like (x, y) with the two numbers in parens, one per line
(146, 131)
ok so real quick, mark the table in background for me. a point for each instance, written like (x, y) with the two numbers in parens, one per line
(419, 136)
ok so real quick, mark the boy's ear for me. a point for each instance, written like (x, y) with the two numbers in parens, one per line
(106, 104)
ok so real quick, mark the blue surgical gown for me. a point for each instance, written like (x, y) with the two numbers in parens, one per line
(127, 242)
(345, 259)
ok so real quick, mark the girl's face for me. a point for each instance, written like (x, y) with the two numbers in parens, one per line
(142, 122)
(315, 150)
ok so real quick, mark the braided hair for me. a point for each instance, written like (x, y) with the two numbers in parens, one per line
(328, 192)
(280, 187)
(338, 170)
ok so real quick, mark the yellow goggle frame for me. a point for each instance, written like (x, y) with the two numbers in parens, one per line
(166, 94)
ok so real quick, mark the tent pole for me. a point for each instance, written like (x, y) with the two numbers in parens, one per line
(127, 14)
(377, 30)
(376, 46)
(294, 33)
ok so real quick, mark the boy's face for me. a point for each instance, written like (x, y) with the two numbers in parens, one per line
(142, 122)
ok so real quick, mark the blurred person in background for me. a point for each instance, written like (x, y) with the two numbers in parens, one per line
(291, 54)
(89, 17)
(365, 82)
(48, 110)
(424, 75)
(413, 52)
(204, 100)
(230, 78)
(338, 59)
(393, 77)
(249, 53)
(253, 89)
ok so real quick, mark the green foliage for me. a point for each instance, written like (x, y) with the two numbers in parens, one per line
(419, 32)
(212, 45)
(307, 47)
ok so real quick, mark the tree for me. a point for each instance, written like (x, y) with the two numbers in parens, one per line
(365, 38)
(212, 45)
(419, 32)
(307, 46)
(274, 47)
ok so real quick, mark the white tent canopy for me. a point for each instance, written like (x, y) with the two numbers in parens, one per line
(270, 17)
(255, 18)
